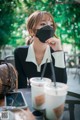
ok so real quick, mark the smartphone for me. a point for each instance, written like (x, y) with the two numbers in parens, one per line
(15, 100)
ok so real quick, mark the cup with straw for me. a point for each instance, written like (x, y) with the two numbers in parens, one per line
(55, 96)
(53, 72)
(37, 89)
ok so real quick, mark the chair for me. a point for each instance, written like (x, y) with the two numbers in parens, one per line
(10, 59)
(77, 72)
(71, 103)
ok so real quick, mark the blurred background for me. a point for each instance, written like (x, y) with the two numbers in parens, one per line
(13, 19)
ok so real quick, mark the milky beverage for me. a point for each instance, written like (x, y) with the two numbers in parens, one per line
(54, 100)
(37, 92)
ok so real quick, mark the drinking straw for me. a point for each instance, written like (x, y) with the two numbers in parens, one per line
(44, 69)
(53, 73)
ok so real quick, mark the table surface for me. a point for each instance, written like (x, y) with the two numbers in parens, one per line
(25, 114)
(27, 94)
(69, 98)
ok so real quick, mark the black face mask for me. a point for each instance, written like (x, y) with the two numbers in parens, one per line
(45, 33)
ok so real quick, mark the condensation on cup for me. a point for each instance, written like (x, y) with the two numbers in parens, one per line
(55, 100)
(37, 92)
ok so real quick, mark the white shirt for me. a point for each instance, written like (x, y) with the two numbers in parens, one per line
(58, 56)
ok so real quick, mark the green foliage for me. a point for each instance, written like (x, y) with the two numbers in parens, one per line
(6, 19)
(66, 15)
(13, 14)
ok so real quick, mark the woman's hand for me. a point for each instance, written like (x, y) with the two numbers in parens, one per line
(54, 43)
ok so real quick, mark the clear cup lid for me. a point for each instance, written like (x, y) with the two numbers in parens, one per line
(39, 81)
(59, 86)
(60, 89)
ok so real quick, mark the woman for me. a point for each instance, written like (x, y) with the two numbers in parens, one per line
(30, 59)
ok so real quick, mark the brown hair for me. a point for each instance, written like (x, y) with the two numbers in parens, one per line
(36, 17)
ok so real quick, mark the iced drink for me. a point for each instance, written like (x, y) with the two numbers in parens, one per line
(54, 100)
(37, 92)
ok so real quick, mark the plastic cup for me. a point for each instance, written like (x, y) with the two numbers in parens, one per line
(37, 92)
(55, 100)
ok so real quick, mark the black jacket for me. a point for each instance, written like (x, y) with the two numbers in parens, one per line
(29, 69)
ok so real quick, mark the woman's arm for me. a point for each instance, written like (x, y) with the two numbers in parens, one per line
(59, 66)
(58, 54)
(22, 80)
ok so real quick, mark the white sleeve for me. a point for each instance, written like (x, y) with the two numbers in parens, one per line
(59, 59)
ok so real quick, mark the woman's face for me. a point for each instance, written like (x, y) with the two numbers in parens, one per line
(46, 20)
(46, 32)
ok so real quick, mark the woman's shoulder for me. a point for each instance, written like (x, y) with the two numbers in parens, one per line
(21, 49)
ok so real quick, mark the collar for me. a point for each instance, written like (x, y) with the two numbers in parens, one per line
(31, 56)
